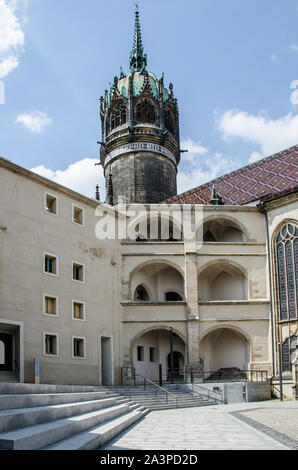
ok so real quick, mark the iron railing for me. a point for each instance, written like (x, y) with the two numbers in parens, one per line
(157, 387)
(224, 375)
(216, 395)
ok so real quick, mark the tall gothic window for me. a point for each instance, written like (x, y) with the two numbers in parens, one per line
(118, 116)
(288, 353)
(287, 270)
(145, 112)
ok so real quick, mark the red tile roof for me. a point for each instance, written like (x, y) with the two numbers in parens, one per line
(271, 175)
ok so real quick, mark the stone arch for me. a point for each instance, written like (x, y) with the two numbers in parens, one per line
(159, 276)
(222, 280)
(224, 220)
(146, 289)
(226, 325)
(158, 338)
(170, 229)
(227, 348)
(223, 261)
(158, 260)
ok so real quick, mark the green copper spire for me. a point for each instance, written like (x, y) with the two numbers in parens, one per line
(138, 60)
(215, 199)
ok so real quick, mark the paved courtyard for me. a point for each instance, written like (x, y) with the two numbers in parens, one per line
(269, 425)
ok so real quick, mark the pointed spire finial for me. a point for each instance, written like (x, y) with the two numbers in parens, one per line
(215, 199)
(138, 60)
(97, 195)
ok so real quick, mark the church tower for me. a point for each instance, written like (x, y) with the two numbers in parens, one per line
(140, 148)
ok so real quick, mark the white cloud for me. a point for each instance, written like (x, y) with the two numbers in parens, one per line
(11, 35)
(255, 156)
(194, 149)
(8, 65)
(270, 135)
(294, 47)
(273, 57)
(81, 176)
(35, 122)
(201, 166)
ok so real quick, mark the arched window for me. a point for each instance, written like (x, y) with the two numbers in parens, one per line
(286, 246)
(118, 116)
(145, 112)
(172, 297)
(169, 121)
(288, 353)
(141, 294)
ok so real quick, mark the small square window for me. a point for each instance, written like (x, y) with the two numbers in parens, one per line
(78, 272)
(140, 353)
(51, 204)
(50, 264)
(50, 305)
(79, 348)
(51, 344)
(152, 355)
(78, 215)
(78, 309)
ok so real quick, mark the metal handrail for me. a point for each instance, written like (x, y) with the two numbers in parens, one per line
(218, 392)
(247, 375)
(158, 386)
(278, 390)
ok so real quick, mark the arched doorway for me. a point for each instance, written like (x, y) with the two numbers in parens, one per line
(153, 349)
(178, 365)
(225, 349)
(6, 352)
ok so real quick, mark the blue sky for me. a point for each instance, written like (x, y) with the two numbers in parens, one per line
(232, 64)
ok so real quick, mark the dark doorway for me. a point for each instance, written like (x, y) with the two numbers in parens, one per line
(6, 352)
(178, 364)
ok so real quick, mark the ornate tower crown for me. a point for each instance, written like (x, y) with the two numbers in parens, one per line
(140, 133)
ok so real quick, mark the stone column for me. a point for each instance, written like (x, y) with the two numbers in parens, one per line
(191, 292)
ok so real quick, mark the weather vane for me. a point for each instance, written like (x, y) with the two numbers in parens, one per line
(137, 6)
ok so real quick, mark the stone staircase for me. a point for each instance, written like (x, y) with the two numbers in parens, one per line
(156, 399)
(10, 377)
(53, 417)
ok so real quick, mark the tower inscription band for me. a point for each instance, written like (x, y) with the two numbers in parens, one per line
(139, 147)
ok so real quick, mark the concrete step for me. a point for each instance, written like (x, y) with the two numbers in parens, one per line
(96, 437)
(43, 435)
(22, 388)
(43, 399)
(8, 377)
(23, 417)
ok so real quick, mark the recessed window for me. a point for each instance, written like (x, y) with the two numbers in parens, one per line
(78, 310)
(51, 205)
(152, 354)
(51, 344)
(173, 297)
(79, 348)
(140, 353)
(78, 215)
(78, 272)
(50, 305)
(50, 264)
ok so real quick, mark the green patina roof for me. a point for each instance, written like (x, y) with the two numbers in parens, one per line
(138, 85)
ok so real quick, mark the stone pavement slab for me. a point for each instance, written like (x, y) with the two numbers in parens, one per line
(211, 428)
